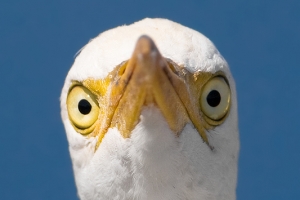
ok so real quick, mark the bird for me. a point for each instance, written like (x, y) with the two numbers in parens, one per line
(150, 112)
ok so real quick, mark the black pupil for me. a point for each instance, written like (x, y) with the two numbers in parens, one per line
(213, 98)
(84, 107)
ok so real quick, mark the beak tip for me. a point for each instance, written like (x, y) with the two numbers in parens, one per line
(145, 46)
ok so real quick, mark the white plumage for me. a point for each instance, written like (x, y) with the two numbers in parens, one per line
(153, 163)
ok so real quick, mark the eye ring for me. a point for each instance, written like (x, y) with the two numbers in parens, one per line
(82, 107)
(215, 98)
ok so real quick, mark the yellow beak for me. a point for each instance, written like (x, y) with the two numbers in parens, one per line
(147, 79)
(148, 84)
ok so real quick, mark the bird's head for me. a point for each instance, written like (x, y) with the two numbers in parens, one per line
(150, 112)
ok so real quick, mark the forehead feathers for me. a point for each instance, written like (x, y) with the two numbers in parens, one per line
(181, 44)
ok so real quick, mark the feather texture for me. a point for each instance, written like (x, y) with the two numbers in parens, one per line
(153, 163)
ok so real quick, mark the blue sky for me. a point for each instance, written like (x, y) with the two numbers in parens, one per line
(38, 41)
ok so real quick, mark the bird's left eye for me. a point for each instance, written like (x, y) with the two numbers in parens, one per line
(82, 107)
(215, 98)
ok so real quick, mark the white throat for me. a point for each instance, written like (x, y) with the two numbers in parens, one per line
(152, 164)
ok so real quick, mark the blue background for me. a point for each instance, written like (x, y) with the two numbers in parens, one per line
(38, 41)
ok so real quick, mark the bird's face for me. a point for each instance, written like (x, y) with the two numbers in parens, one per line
(151, 122)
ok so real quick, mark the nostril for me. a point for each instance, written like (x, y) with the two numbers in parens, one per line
(122, 68)
(173, 68)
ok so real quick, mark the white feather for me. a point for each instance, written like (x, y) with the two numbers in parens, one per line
(153, 163)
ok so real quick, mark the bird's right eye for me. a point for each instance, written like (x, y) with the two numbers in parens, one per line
(82, 107)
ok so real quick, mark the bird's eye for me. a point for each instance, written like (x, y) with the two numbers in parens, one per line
(82, 107)
(215, 98)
